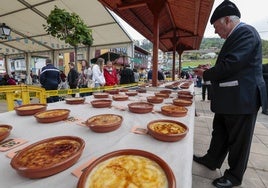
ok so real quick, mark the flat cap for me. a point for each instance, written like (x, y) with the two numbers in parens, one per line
(226, 8)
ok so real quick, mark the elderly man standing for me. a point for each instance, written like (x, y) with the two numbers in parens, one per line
(237, 92)
(50, 79)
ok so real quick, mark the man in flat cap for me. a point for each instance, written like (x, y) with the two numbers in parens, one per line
(237, 92)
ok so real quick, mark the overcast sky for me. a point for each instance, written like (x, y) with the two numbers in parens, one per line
(253, 12)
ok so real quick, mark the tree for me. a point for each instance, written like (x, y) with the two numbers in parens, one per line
(68, 27)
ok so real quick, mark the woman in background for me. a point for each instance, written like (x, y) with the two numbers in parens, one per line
(97, 73)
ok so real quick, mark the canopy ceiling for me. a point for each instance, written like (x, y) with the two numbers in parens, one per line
(26, 19)
(182, 23)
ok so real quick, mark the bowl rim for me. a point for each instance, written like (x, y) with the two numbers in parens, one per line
(22, 170)
(164, 165)
(64, 109)
(135, 103)
(75, 98)
(6, 133)
(90, 125)
(17, 108)
(168, 120)
(6, 126)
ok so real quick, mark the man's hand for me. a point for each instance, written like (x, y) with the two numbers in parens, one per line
(199, 71)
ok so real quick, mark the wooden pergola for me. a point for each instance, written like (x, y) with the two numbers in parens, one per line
(171, 25)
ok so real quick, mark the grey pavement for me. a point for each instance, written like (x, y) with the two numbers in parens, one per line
(256, 175)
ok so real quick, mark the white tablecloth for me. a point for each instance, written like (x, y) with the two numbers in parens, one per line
(178, 155)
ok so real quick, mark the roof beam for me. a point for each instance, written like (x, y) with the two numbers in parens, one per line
(130, 5)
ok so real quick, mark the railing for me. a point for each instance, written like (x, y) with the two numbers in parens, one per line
(24, 93)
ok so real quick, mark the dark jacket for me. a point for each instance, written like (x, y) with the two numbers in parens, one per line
(73, 78)
(50, 77)
(238, 86)
(127, 76)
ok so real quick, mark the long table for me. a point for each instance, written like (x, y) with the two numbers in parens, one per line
(178, 155)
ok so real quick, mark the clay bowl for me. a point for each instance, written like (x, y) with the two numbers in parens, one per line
(100, 95)
(75, 100)
(123, 90)
(58, 154)
(171, 86)
(182, 102)
(30, 109)
(141, 90)
(184, 93)
(119, 97)
(5, 131)
(104, 122)
(167, 130)
(127, 153)
(182, 96)
(167, 91)
(163, 95)
(113, 91)
(50, 116)
(131, 93)
(154, 99)
(140, 107)
(103, 103)
(174, 111)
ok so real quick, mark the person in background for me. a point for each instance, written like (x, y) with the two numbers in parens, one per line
(127, 75)
(50, 79)
(136, 75)
(205, 89)
(238, 91)
(85, 77)
(110, 74)
(97, 73)
(72, 77)
(63, 78)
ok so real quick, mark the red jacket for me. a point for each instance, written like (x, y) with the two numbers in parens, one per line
(110, 77)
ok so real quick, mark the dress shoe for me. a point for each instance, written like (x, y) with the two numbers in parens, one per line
(222, 182)
(203, 161)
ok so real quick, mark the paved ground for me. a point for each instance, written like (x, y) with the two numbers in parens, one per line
(256, 175)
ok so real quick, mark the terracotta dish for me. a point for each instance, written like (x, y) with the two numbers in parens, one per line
(140, 107)
(101, 95)
(135, 168)
(113, 91)
(184, 93)
(104, 122)
(101, 103)
(30, 109)
(50, 116)
(5, 131)
(167, 91)
(167, 130)
(174, 111)
(154, 99)
(182, 96)
(141, 90)
(119, 97)
(131, 93)
(171, 86)
(75, 100)
(163, 95)
(123, 89)
(182, 102)
(48, 157)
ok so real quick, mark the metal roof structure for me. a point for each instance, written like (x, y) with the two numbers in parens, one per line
(26, 19)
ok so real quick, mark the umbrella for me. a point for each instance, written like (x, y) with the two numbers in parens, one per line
(108, 56)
